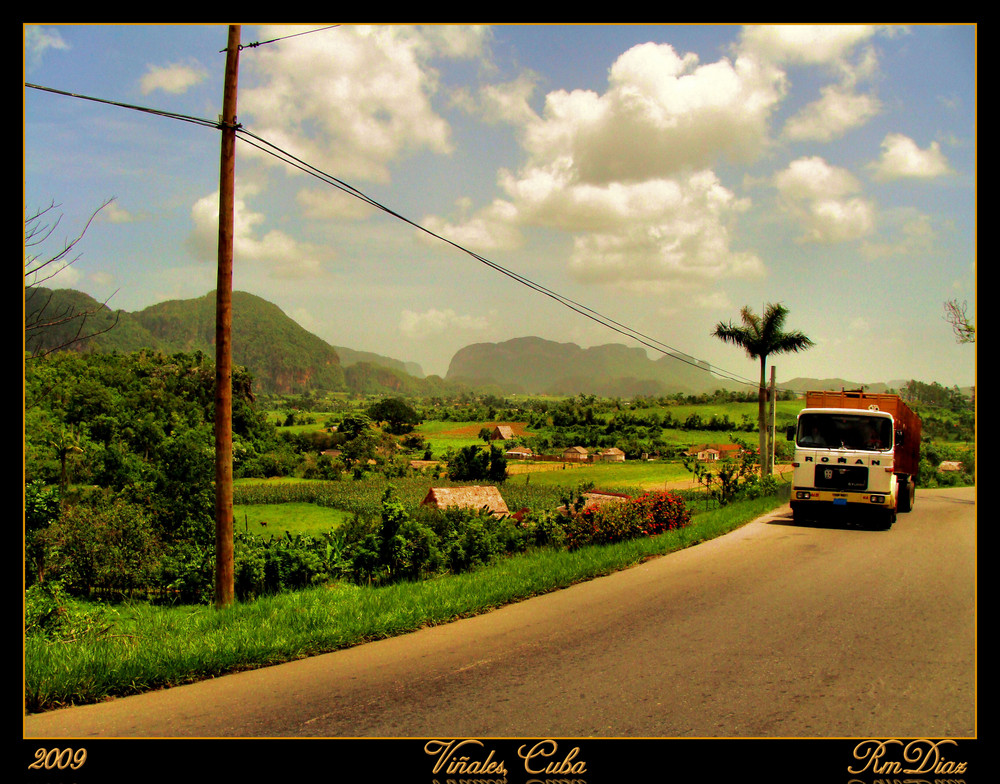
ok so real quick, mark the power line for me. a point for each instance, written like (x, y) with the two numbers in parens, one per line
(583, 310)
(283, 155)
(134, 107)
(286, 37)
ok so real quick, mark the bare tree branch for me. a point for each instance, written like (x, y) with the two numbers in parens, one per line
(39, 314)
(955, 314)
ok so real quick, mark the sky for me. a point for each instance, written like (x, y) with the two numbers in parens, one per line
(660, 177)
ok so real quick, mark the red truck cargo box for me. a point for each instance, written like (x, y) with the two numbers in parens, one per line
(906, 454)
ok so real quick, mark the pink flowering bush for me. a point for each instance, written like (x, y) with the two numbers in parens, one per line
(646, 515)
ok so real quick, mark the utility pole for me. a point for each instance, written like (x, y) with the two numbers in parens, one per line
(770, 464)
(224, 581)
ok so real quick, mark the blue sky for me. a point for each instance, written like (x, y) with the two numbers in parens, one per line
(664, 176)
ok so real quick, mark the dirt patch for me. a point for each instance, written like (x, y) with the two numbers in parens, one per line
(472, 431)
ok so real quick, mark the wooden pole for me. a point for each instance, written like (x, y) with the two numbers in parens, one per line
(773, 392)
(224, 583)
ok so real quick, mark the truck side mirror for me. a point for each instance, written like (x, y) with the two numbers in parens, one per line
(790, 433)
(900, 434)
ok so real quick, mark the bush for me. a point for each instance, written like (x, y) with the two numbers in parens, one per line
(271, 565)
(50, 614)
(414, 543)
(41, 509)
(187, 573)
(104, 543)
(647, 515)
(468, 538)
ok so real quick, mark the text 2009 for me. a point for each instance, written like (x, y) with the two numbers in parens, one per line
(58, 759)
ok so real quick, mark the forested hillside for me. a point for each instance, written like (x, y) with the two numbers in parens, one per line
(282, 357)
(532, 365)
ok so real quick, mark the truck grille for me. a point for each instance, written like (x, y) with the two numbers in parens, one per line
(831, 477)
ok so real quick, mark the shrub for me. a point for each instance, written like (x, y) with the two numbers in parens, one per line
(468, 538)
(104, 543)
(647, 515)
(187, 572)
(50, 614)
(41, 509)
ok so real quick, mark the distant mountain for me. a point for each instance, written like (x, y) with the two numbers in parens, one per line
(534, 365)
(283, 357)
(812, 384)
(348, 356)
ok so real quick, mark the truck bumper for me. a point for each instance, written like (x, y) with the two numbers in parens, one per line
(809, 503)
(813, 497)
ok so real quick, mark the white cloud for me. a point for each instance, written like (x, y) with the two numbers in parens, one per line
(39, 40)
(493, 228)
(354, 99)
(902, 158)
(627, 172)
(798, 44)
(822, 199)
(114, 213)
(908, 233)
(662, 114)
(839, 110)
(280, 254)
(507, 102)
(177, 78)
(843, 50)
(332, 203)
(435, 322)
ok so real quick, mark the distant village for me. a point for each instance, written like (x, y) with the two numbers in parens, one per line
(578, 454)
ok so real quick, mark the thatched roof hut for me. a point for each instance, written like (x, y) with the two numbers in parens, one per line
(470, 497)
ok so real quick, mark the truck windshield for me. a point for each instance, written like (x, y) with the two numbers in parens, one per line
(844, 431)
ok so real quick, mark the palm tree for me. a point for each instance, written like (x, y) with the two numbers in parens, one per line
(761, 336)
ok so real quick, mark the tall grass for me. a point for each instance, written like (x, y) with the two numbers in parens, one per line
(138, 647)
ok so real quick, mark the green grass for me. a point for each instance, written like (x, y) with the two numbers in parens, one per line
(442, 435)
(141, 647)
(632, 474)
(294, 518)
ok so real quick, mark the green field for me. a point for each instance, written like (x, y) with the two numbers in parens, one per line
(294, 518)
(632, 474)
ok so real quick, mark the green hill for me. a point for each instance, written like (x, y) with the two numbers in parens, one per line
(536, 366)
(283, 357)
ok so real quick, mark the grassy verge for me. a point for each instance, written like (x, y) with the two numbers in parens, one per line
(136, 648)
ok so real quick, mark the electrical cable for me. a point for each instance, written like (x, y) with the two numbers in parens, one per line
(284, 37)
(577, 307)
(283, 155)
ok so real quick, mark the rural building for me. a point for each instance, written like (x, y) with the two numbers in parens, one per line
(711, 453)
(519, 453)
(502, 433)
(471, 497)
(575, 454)
(613, 455)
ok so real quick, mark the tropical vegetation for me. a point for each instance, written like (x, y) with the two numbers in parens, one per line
(761, 336)
(119, 497)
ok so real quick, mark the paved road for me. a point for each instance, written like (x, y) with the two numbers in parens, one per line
(776, 630)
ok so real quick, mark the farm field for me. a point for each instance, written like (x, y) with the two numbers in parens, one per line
(294, 518)
(631, 475)
(447, 434)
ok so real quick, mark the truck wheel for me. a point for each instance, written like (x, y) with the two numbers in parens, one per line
(882, 519)
(904, 497)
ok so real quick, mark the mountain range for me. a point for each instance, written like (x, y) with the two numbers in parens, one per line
(285, 358)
